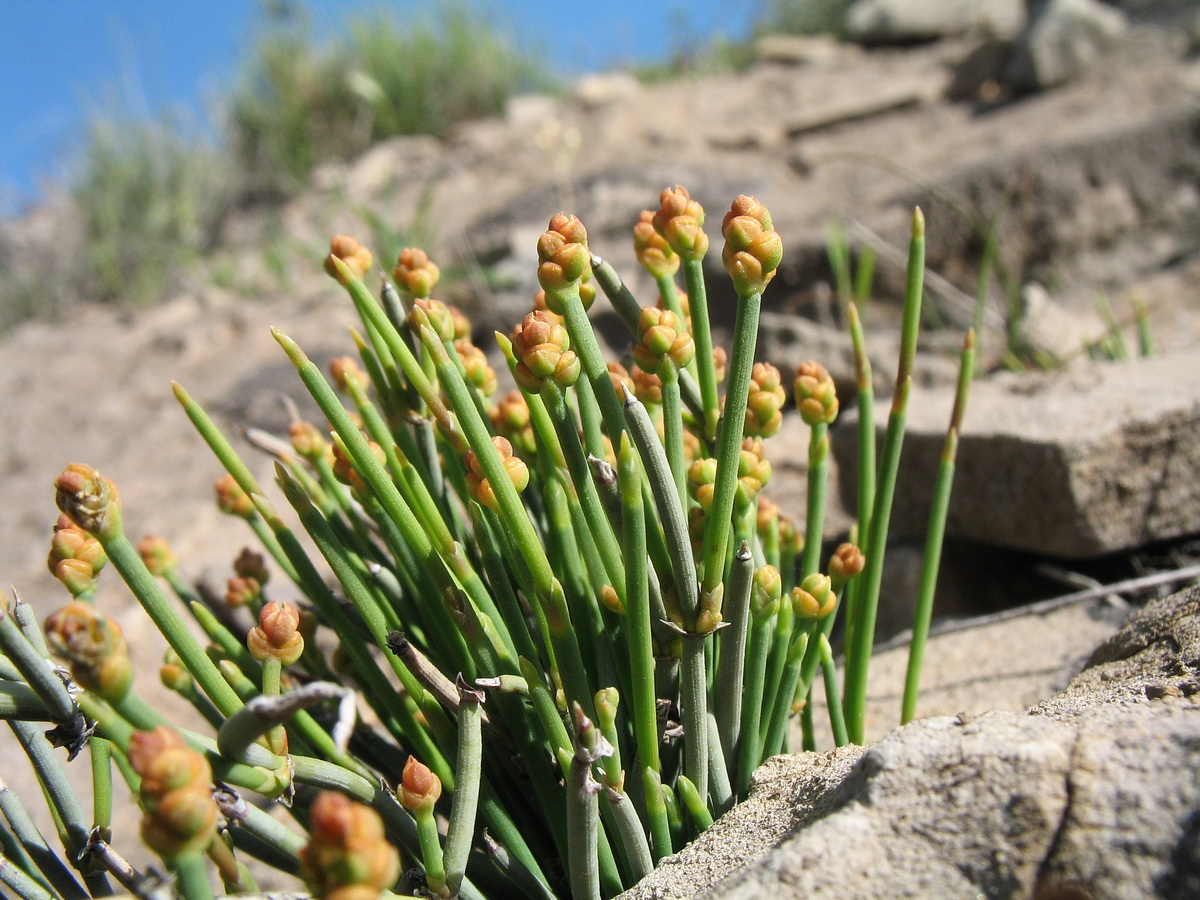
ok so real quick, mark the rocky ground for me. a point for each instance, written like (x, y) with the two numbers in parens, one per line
(1093, 185)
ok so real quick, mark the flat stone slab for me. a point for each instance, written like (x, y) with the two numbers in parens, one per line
(1077, 463)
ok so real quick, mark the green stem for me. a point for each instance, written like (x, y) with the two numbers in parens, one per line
(858, 662)
(939, 509)
(469, 770)
(191, 877)
(693, 278)
(733, 420)
(732, 662)
(833, 700)
(818, 473)
(125, 559)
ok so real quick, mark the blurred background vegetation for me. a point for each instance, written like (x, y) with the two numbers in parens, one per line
(148, 198)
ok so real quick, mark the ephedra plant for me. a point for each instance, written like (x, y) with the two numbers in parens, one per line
(542, 641)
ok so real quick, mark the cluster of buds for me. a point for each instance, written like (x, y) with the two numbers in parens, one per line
(415, 272)
(277, 635)
(157, 556)
(680, 220)
(846, 562)
(563, 259)
(356, 257)
(764, 414)
(702, 478)
(436, 314)
(752, 249)
(348, 856)
(481, 489)
(510, 417)
(345, 472)
(93, 646)
(816, 396)
(308, 440)
(231, 499)
(662, 340)
(250, 576)
(176, 790)
(754, 471)
(621, 379)
(652, 249)
(475, 364)
(76, 557)
(542, 348)
(173, 674)
(89, 500)
(647, 386)
(343, 370)
(814, 597)
(766, 592)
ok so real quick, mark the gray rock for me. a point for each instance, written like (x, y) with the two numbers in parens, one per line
(900, 21)
(1064, 39)
(1074, 463)
(1087, 796)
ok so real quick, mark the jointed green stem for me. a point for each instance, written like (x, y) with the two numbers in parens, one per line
(939, 509)
(469, 770)
(693, 277)
(859, 654)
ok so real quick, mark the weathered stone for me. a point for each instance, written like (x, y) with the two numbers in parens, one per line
(1074, 463)
(1064, 39)
(899, 21)
(1085, 796)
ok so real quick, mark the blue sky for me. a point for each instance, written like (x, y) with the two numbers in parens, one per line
(61, 59)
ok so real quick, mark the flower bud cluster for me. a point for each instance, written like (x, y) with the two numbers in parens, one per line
(816, 396)
(662, 340)
(343, 369)
(846, 562)
(621, 378)
(680, 220)
(93, 646)
(753, 249)
(157, 556)
(475, 364)
(356, 257)
(542, 348)
(308, 440)
(481, 489)
(89, 499)
(348, 856)
(277, 634)
(814, 598)
(511, 418)
(647, 386)
(180, 813)
(345, 471)
(754, 471)
(563, 258)
(764, 406)
(652, 249)
(766, 591)
(231, 499)
(76, 557)
(415, 273)
(438, 315)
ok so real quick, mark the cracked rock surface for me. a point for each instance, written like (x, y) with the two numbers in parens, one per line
(1092, 793)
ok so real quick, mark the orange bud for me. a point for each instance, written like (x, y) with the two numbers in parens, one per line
(94, 648)
(680, 220)
(250, 564)
(307, 440)
(90, 500)
(231, 499)
(277, 634)
(419, 786)
(356, 257)
(816, 396)
(846, 562)
(653, 252)
(242, 591)
(348, 856)
(415, 272)
(176, 790)
(563, 256)
(157, 555)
